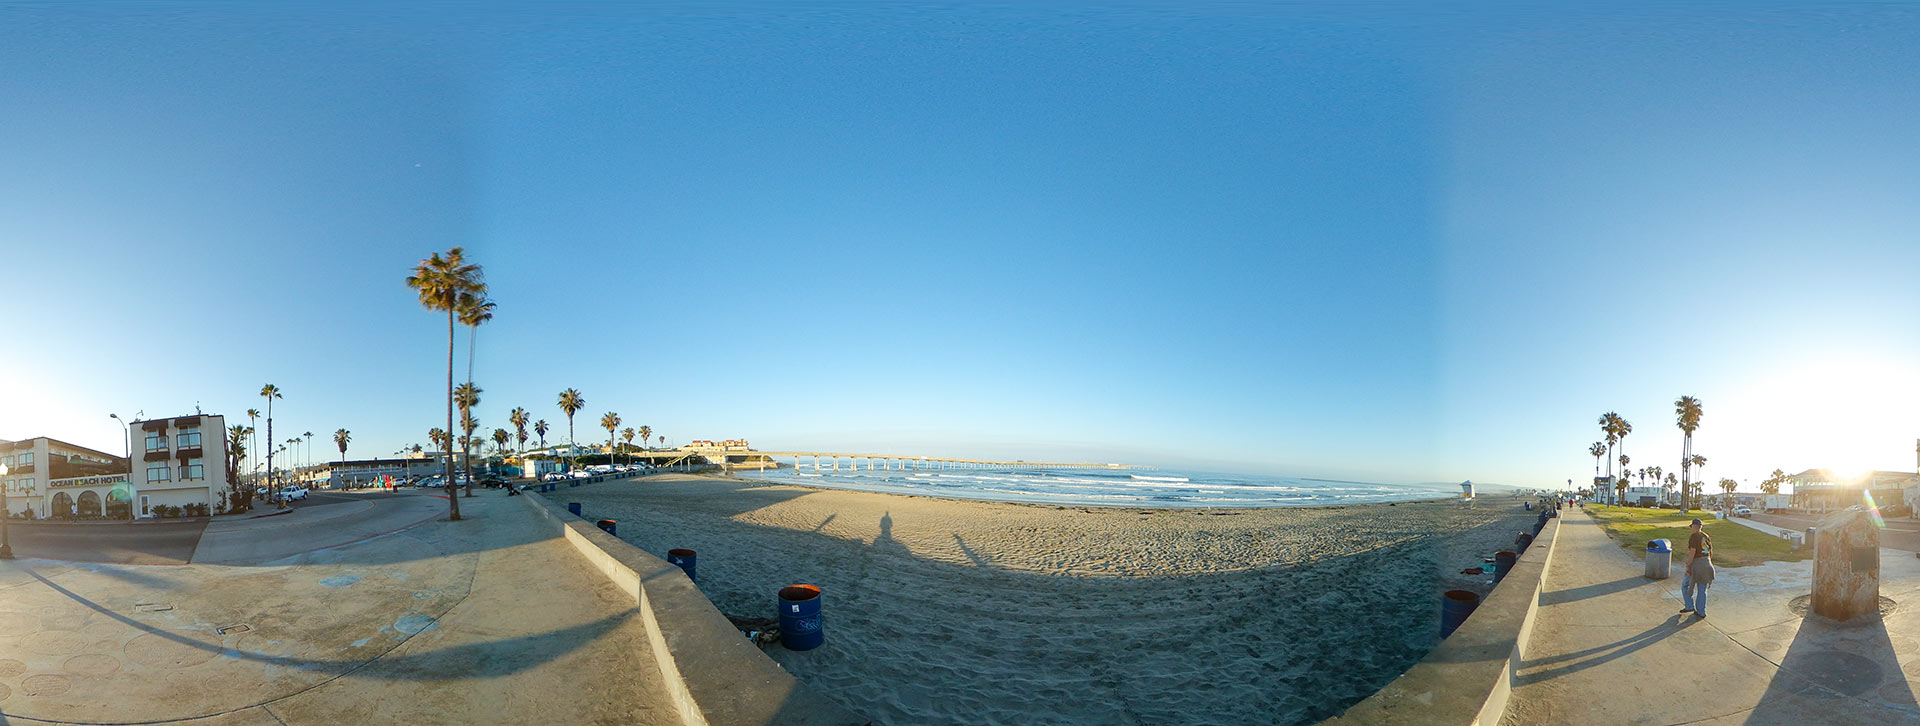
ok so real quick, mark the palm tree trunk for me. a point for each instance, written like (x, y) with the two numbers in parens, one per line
(453, 497)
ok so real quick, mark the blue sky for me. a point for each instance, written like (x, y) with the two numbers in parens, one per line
(1361, 244)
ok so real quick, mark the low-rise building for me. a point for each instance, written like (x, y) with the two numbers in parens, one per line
(48, 477)
(180, 461)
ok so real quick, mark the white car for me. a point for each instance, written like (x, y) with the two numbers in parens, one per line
(553, 476)
(1742, 511)
(293, 492)
(579, 473)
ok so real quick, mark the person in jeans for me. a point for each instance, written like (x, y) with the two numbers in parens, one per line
(1698, 575)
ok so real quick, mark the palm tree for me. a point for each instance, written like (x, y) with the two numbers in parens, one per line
(1686, 414)
(253, 416)
(500, 439)
(1727, 485)
(467, 396)
(236, 451)
(540, 427)
(270, 392)
(628, 435)
(570, 403)
(309, 448)
(519, 420)
(1597, 451)
(1619, 490)
(441, 280)
(663, 440)
(1771, 484)
(1608, 425)
(341, 438)
(1695, 461)
(1670, 483)
(610, 422)
(473, 309)
(645, 433)
(435, 436)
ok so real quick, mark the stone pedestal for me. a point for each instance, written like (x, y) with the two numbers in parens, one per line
(1846, 565)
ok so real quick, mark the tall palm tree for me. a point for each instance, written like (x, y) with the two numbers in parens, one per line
(1670, 483)
(434, 436)
(540, 427)
(1727, 486)
(519, 420)
(645, 432)
(341, 438)
(610, 421)
(1608, 423)
(570, 403)
(1696, 461)
(467, 396)
(270, 392)
(1619, 490)
(1597, 451)
(441, 280)
(308, 450)
(253, 416)
(1771, 485)
(1686, 415)
(473, 310)
(627, 434)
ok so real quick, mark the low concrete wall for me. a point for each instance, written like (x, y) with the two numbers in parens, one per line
(715, 676)
(1467, 678)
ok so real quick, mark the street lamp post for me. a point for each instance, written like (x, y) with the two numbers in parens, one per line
(126, 445)
(6, 513)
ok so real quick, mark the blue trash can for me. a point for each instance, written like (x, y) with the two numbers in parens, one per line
(574, 507)
(800, 617)
(685, 559)
(1504, 560)
(1455, 608)
(608, 526)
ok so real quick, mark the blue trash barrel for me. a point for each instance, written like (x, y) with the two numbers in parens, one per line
(1521, 543)
(800, 617)
(1529, 506)
(685, 559)
(1503, 560)
(574, 507)
(1455, 608)
(608, 525)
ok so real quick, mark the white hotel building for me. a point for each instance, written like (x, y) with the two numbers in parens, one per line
(49, 477)
(178, 461)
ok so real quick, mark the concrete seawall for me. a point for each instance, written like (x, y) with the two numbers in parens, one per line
(1468, 677)
(715, 676)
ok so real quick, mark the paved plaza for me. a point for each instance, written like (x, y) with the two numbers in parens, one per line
(1610, 647)
(371, 610)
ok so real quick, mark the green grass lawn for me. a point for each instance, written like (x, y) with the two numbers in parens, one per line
(1733, 545)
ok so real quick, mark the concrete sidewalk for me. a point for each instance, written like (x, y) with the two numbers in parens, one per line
(1609, 646)
(483, 621)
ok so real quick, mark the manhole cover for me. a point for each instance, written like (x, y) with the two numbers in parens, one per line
(91, 665)
(1756, 581)
(152, 607)
(45, 685)
(1801, 605)
(232, 629)
(1772, 646)
(10, 668)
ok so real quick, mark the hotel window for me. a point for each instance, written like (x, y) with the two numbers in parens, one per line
(189, 439)
(26, 459)
(156, 441)
(158, 472)
(192, 470)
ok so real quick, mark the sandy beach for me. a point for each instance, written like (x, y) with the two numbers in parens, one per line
(942, 611)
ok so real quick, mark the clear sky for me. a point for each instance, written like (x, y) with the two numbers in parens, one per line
(1367, 244)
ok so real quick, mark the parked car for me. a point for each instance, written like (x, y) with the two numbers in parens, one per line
(579, 473)
(293, 492)
(1742, 511)
(552, 476)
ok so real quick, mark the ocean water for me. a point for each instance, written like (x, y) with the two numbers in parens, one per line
(1106, 487)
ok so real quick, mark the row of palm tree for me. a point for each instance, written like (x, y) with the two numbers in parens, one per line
(1687, 414)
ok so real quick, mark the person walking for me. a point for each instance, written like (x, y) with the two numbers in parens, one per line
(1698, 575)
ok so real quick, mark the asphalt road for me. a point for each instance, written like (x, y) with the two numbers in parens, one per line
(146, 543)
(158, 543)
(1900, 534)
